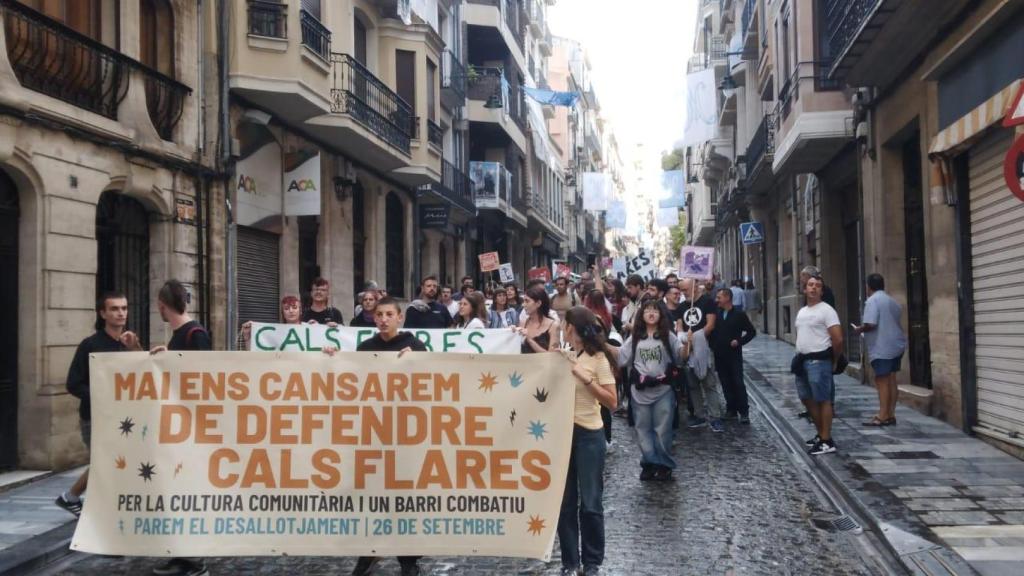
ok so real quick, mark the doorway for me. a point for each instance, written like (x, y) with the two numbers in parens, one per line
(9, 328)
(122, 243)
(919, 346)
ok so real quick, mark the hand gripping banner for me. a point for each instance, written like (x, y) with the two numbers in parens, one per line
(242, 454)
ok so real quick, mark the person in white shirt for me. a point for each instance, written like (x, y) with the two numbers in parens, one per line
(448, 302)
(472, 312)
(886, 343)
(819, 344)
(739, 299)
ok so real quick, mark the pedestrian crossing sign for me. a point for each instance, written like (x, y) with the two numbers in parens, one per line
(752, 232)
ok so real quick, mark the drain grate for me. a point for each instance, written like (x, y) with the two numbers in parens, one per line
(841, 524)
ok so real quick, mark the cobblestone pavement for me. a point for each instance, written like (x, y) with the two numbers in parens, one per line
(737, 506)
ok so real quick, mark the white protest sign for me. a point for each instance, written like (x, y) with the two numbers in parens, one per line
(313, 337)
(642, 264)
(506, 274)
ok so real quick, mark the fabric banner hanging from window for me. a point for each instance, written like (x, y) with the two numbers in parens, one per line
(597, 187)
(701, 107)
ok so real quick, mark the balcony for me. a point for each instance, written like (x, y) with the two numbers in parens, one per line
(814, 121)
(268, 19)
(453, 81)
(435, 134)
(492, 186)
(873, 41)
(759, 157)
(545, 42)
(748, 27)
(537, 22)
(315, 35)
(495, 29)
(52, 59)
(455, 187)
(489, 87)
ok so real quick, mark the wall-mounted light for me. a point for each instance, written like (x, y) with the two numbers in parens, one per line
(343, 187)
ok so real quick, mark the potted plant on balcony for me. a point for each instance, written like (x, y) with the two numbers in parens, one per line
(472, 76)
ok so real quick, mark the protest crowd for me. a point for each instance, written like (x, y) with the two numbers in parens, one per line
(652, 354)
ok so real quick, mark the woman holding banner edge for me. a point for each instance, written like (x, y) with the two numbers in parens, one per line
(291, 313)
(581, 519)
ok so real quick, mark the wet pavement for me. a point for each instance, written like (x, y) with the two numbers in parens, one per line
(738, 505)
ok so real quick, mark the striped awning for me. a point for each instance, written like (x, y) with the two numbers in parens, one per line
(962, 133)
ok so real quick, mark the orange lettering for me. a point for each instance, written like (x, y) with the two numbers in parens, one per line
(329, 477)
(341, 421)
(169, 413)
(397, 383)
(500, 469)
(205, 424)
(390, 481)
(265, 380)
(286, 472)
(279, 424)
(445, 420)
(411, 417)
(476, 427)
(537, 477)
(257, 432)
(470, 465)
(258, 470)
(311, 421)
(187, 386)
(434, 471)
(364, 466)
(216, 479)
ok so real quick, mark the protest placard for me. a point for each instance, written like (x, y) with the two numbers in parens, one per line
(244, 454)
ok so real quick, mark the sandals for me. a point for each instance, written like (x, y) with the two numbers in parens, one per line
(876, 421)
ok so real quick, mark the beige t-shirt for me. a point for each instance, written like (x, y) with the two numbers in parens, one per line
(587, 412)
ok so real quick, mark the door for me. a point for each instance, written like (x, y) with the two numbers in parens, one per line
(259, 276)
(405, 86)
(309, 270)
(919, 346)
(996, 251)
(9, 327)
(395, 245)
(122, 244)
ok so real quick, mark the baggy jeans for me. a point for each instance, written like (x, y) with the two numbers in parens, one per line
(654, 430)
(582, 512)
(706, 394)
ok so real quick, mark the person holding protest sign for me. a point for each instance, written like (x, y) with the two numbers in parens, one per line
(320, 311)
(581, 519)
(110, 336)
(472, 312)
(388, 318)
(366, 316)
(291, 313)
(651, 352)
(538, 329)
(188, 335)
(426, 311)
(502, 313)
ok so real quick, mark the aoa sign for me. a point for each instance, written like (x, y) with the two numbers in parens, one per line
(302, 185)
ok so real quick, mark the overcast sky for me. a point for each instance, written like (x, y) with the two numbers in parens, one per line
(639, 51)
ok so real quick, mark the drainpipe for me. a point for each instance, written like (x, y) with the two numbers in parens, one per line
(223, 28)
(202, 193)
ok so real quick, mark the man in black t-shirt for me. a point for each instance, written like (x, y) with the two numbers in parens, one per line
(110, 336)
(702, 314)
(320, 311)
(388, 318)
(426, 312)
(188, 335)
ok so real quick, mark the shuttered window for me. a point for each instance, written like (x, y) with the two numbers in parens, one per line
(997, 250)
(259, 276)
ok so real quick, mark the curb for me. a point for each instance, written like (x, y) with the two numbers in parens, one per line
(8, 487)
(38, 551)
(933, 560)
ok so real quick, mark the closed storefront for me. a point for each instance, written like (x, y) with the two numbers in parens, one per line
(258, 275)
(996, 252)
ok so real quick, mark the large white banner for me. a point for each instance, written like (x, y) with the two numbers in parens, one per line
(642, 264)
(302, 189)
(701, 107)
(243, 454)
(668, 217)
(615, 218)
(313, 338)
(597, 190)
(258, 188)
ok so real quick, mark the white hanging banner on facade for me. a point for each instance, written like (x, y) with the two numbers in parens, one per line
(701, 107)
(302, 189)
(597, 188)
(427, 11)
(673, 188)
(258, 188)
(404, 9)
(615, 218)
(668, 216)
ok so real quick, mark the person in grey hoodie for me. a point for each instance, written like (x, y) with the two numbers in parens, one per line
(650, 352)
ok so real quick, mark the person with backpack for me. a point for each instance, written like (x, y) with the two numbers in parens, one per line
(188, 335)
(653, 353)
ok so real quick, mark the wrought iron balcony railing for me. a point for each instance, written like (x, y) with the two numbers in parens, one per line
(486, 83)
(435, 135)
(165, 100)
(762, 144)
(364, 97)
(458, 185)
(492, 185)
(453, 75)
(315, 35)
(748, 15)
(843, 21)
(55, 60)
(268, 19)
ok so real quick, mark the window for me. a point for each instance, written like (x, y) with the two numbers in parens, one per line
(156, 35)
(82, 16)
(395, 245)
(360, 46)
(405, 85)
(122, 244)
(431, 91)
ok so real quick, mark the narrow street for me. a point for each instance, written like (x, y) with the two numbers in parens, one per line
(738, 505)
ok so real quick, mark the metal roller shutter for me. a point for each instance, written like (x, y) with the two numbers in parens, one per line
(997, 250)
(258, 275)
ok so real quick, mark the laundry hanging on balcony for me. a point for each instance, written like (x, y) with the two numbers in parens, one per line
(542, 147)
(552, 97)
(597, 190)
(615, 218)
(673, 189)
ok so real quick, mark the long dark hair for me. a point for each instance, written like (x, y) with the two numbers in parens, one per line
(494, 303)
(539, 294)
(595, 302)
(518, 301)
(661, 332)
(591, 332)
(478, 307)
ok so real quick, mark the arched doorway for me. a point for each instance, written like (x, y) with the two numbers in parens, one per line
(394, 226)
(122, 243)
(9, 328)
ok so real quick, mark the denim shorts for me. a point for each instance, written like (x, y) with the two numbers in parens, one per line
(817, 384)
(886, 366)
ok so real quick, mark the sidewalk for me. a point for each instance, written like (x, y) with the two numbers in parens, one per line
(921, 483)
(32, 527)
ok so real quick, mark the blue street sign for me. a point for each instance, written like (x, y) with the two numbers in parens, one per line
(752, 232)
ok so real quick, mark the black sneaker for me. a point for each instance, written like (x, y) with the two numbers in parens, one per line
(591, 571)
(365, 565)
(647, 473)
(72, 507)
(813, 441)
(661, 474)
(730, 414)
(411, 569)
(823, 447)
(567, 571)
(743, 419)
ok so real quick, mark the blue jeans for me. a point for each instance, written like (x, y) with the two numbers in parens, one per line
(818, 384)
(654, 430)
(582, 511)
